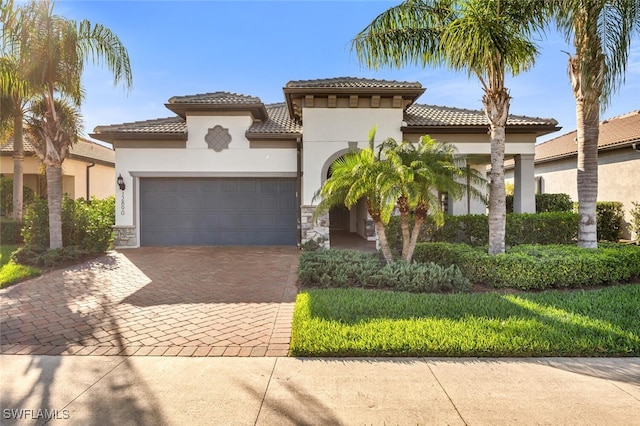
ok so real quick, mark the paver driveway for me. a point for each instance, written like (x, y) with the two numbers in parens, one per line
(185, 301)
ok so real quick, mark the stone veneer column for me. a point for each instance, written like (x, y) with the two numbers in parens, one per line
(125, 236)
(318, 231)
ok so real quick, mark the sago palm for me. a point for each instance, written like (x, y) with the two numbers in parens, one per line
(485, 38)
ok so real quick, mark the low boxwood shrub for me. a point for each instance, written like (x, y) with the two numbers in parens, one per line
(420, 278)
(42, 257)
(10, 232)
(6, 196)
(536, 266)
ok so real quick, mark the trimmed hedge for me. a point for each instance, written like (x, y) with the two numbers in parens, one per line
(349, 268)
(547, 203)
(6, 196)
(521, 228)
(537, 267)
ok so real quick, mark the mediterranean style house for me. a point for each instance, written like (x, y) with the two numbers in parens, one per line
(226, 169)
(618, 163)
(89, 170)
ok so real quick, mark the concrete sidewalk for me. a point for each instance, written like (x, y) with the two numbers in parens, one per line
(104, 390)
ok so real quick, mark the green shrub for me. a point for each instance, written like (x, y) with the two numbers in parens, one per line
(337, 268)
(6, 196)
(521, 228)
(537, 267)
(86, 229)
(42, 257)
(634, 223)
(10, 232)
(553, 203)
(547, 203)
(610, 218)
(420, 278)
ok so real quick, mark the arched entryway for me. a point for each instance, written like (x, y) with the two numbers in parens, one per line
(349, 228)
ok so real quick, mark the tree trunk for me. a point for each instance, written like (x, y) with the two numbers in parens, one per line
(18, 159)
(384, 244)
(588, 122)
(54, 201)
(403, 207)
(497, 108)
(417, 226)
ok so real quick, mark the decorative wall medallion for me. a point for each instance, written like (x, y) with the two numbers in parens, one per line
(218, 138)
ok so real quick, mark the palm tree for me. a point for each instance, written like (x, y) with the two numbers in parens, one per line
(601, 32)
(15, 93)
(354, 176)
(59, 49)
(419, 173)
(485, 38)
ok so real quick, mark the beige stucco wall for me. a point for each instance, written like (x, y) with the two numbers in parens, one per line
(197, 160)
(618, 177)
(327, 133)
(102, 178)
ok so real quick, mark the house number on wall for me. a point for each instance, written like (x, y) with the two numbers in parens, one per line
(122, 204)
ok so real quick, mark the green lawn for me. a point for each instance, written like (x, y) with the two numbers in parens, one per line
(11, 273)
(355, 322)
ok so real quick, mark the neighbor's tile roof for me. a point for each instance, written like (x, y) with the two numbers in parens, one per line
(278, 122)
(215, 98)
(351, 82)
(620, 130)
(430, 115)
(170, 125)
(83, 148)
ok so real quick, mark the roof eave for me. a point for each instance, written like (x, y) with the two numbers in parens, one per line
(258, 110)
(539, 130)
(120, 136)
(272, 136)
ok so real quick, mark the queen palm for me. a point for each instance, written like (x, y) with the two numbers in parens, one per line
(601, 33)
(59, 49)
(485, 38)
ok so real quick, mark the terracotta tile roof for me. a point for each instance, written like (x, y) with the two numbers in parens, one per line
(278, 122)
(616, 131)
(170, 125)
(83, 149)
(351, 82)
(419, 115)
(215, 98)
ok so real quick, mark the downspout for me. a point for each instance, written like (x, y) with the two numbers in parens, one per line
(89, 182)
(299, 187)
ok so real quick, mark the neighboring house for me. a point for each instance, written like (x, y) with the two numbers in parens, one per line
(88, 171)
(618, 163)
(228, 169)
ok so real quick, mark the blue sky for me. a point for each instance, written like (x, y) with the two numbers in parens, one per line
(256, 47)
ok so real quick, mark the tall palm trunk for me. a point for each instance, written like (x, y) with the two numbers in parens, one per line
(384, 244)
(18, 159)
(588, 118)
(403, 207)
(419, 217)
(54, 201)
(496, 104)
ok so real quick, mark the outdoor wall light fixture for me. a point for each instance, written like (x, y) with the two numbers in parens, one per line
(120, 182)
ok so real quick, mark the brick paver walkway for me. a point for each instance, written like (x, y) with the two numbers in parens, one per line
(169, 301)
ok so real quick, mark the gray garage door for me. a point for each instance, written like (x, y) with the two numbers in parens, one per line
(217, 211)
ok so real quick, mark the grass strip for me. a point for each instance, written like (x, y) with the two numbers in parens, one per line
(11, 272)
(356, 322)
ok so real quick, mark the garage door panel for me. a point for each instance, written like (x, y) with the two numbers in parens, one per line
(210, 211)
